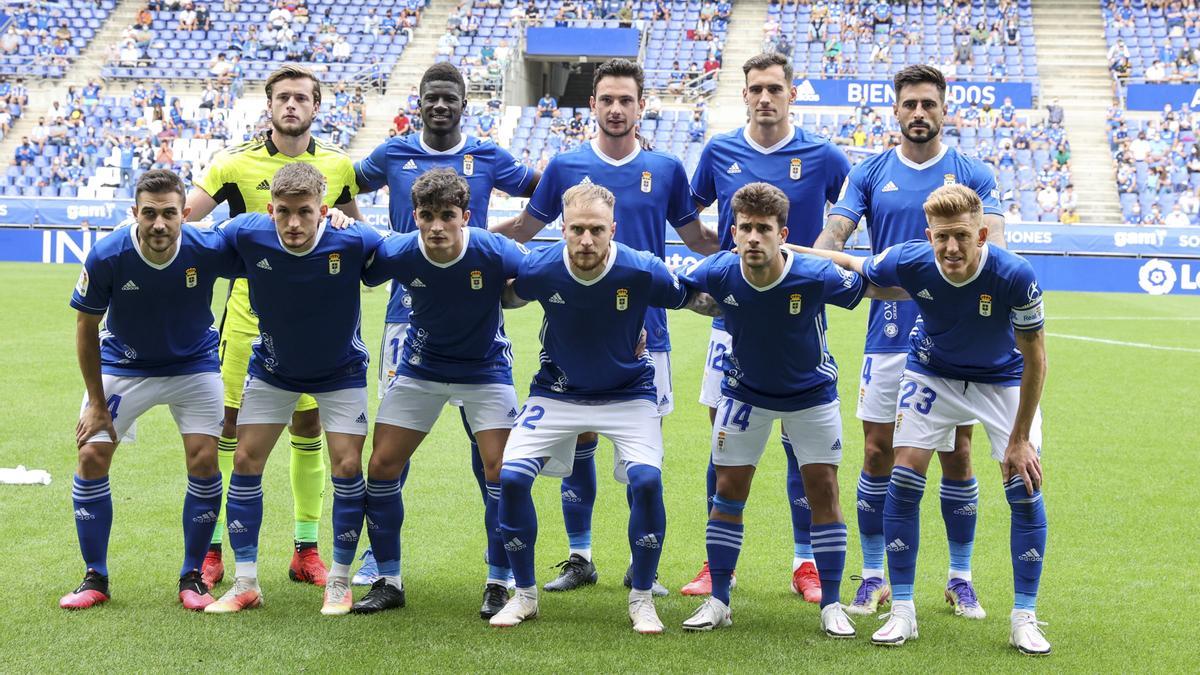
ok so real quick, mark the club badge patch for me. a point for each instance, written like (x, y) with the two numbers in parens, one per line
(985, 304)
(949, 179)
(622, 299)
(794, 303)
(476, 280)
(190, 277)
(646, 182)
(468, 165)
(335, 263)
(794, 169)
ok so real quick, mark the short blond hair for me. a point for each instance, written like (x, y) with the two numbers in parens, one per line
(951, 201)
(586, 193)
(298, 179)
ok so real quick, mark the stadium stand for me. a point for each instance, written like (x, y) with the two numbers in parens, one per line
(42, 39)
(1158, 167)
(1152, 42)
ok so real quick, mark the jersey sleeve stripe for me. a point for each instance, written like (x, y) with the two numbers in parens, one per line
(840, 210)
(545, 218)
(88, 309)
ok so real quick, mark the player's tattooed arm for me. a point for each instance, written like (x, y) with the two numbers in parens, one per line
(95, 416)
(520, 228)
(509, 298)
(1020, 457)
(699, 237)
(702, 303)
(837, 231)
(995, 228)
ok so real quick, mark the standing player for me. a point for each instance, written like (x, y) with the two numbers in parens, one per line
(888, 190)
(241, 175)
(397, 164)
(304, 286)
(153, 281)
(810, 170)
(651, 191)
(779, 369)
(594, 292)
(978, 353)
(455, 350)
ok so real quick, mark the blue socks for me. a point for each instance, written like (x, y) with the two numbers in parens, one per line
(801, 512)
(829, 547)
(647, 523)
(578, 493)
(1027, 541)
(518, 518)
(201, 510)
(872, 495)
(385, 517)
(498, 570)
(349, 506)
(723, 540)
(902, 529)
(92, 502)
(243, 519)
(960, 507)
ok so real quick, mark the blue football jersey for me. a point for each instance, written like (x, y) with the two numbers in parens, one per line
(591, 328)
(779, 359)
(808, 168)
(651, 190)
(159, 317)
(307, 303)
(456, 329)
(966, 330)
(889, 190)
(398, 162)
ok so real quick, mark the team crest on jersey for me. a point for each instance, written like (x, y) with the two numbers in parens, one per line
(720, 440)
(647, 183)
(949, 179)
(794, 303)
(985, 304)
(82, 284)
(335, 263)
(190, 277)
(476, 280)
(794, 169)
(468, 165)
(622, 299)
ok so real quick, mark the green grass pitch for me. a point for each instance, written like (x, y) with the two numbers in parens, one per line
(1120, 461)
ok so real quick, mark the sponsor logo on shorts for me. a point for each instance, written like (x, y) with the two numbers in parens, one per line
(361, 419)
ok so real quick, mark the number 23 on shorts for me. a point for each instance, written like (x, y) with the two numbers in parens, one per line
(925, 402)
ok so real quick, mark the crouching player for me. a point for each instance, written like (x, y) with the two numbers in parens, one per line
(595, 293)
(780, 369)
(979, 353)
(304, 286)
(153, 281)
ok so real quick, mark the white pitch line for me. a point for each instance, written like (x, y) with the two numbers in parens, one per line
(1121, 343)
(1123, 318)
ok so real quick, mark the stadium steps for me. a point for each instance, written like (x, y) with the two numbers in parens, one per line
(726, 110)
(1073, 67)
(90, 62)
(418, 55)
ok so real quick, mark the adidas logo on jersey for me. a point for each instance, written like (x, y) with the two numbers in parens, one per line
(864, 505)
(890, 187)
(514, 544)
(417, 283)
(209, 516)
(410, 165)
(925, 294)
(897, 546)
(349, 536)
(362, 418)
(729, 300)
(236, 527)
(1031, 555)
(570, 496)
(649, 541)
(264, 185)
(966, 510)
(263, 264)
(557, 299)
(733, 168)
(82, 514)
(129, 286)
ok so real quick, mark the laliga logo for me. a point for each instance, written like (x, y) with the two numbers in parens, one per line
(1157, 277)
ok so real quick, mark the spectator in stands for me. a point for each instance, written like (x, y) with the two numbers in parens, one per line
(25, 153)
(882, 51)
(1068, 217)
(140, 35)
(203, 19)
(413, 104)
(653, 107)
(40, 133)
(1054, 112)
(980, 35)
(488, 125)
(677, 79)
(11, 41)
(231, 6)
(696, 128)
(1155, 217)
(662, 12)
(1068, 199)
(447, 44)
(1135, 214)
(279, 17)
(1013, 214)
(145, 17)
(577, 128)
(1118, 49)
(1177, 217)
(547, 105)
(300, 13)
(1189, 203)
(1047, 201)
(57, 132)
(341, 50)
(187, 18)
(1156, 72)
(963, 54)
(1126, 179)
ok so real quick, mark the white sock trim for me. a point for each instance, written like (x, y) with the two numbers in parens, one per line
(585, 553)
(965, 575)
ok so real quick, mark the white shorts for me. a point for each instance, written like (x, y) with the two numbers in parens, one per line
(416, 404)
(878, 389)
(720, 343)
(547, 427)
(343, 411)
(197, 402)
(930, 407)
(662, 382)
(390, 350)
(741, 432)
